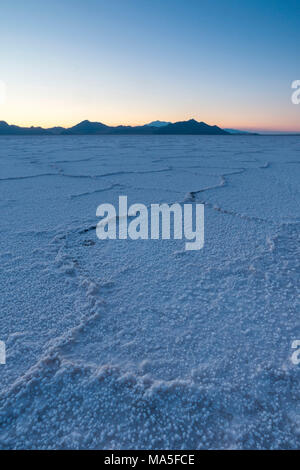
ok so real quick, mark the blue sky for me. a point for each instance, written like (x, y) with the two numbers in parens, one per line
(229, 63)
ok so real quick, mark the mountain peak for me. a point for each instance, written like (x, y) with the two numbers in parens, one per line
(158, 123)
(191, 127)
(87, 127)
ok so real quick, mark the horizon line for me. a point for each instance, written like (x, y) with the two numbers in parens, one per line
(267, 131)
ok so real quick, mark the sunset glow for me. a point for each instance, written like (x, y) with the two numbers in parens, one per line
(136, 62)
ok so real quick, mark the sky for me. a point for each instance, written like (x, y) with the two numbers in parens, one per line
(229, 63)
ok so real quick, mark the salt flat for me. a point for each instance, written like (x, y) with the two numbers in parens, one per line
(141, 344)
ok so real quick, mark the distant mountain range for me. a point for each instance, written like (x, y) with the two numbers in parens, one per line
(191, 127)
(158, 123)
(235, 131)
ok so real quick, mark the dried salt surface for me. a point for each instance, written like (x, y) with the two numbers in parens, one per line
(140, 344)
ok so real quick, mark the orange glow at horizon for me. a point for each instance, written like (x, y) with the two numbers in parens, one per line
(66, 111)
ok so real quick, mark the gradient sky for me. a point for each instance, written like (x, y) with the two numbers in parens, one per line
(229, 63)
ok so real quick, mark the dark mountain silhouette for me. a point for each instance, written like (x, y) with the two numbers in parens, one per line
(238, 132)
(6, 129)
(158, 123)
(191, 127)
(55, 130)
(87, 127)
(145, 130)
